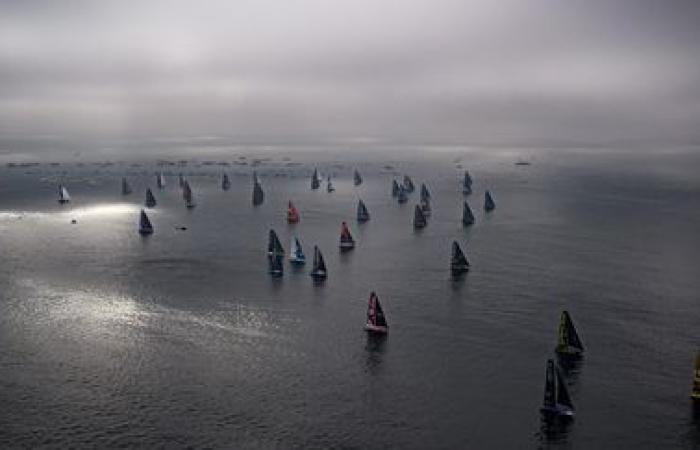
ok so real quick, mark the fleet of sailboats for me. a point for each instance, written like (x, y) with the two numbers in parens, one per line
(557, 401)
(376, 320)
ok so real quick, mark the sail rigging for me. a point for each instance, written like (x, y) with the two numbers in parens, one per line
(458, 263)
(145, 226)
(150, 198)
(467, 215)
(569, 342)
(376, 320)
(362, 212)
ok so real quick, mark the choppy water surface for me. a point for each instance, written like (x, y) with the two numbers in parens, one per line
(182, 338)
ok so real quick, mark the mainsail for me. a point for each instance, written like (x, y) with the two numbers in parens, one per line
(181, 180)
(376, 320)
(408, 184)
(145, 226)
(395, 188)
(346, 240)
(459, 263)
(319, 269)
(419, 220)
(467, 183)
(225, 182)
(160, 180)
(467, 215)
(357, 179)
(258, 194)
(362, 213)
(150, 199)
(274, 246)
(126, 189)
(329, 186)
(63, 195)
(403, 196)
(569, 342)
(275, 266)
(188, 196)
(424, 193)
(292, 213)
(489, 204)
(425, 207)
(556, 396)
(315, 181)
(296, 253)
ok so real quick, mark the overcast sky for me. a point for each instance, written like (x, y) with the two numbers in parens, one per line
(437, 71)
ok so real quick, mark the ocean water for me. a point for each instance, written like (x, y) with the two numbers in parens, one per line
(182, 339)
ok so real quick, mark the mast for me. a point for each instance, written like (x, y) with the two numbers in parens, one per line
(467, 215)
(150, 199)
(489, 204)
(419, 218)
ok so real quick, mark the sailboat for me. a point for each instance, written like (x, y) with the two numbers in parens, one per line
(569, 343)
(395, 188)
(556, 397)
(225, 182)
(467, 215)
(319, 271)
(150, 199)
(160, 180)
(419, 220)
(403, 196)
(458, 263)
(376, 320)
(329, 186)
(489, 204)
(181, 180)
(187, 194)
(258, 194)
(274, 246)
(408, 184)
(63, 195)
(467, 183)
(126, 189)
(424, 193)
(425, 207)
(275, 266)
(315, 181)
(357, 179)
(696, 382)
(145, 226)
(292, 213)
(346, 240)
(362, 213)
(296, 253)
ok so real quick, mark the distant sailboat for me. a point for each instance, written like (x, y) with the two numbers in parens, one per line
(569, 342)
(160, 180)
(258, 194)
(556, 397)
(274, 246)
(458, 263)
(181, 180)
(346, 240)
(275, 266)
(150, 199)
(419, 220)
(696, 382)
(315, 180)
(408, 184)
(145, 226)
(126, 189)
(489, 204)
(376, 320)
(187, 194)
(467, 183)
(425, 207)
(467, 215)
(424, 193)
(362, 213)
(329, 185)
(63, 195)
(403, 196)
(296, 253)
(395, 188)
(319, 271)
(357, 179)
(292, 213)
(225, 182)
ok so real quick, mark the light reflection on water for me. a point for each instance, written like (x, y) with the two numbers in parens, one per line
(103, 210)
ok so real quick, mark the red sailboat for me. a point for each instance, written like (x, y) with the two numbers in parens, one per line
(346, 240)
(292, 213)
(376, 321)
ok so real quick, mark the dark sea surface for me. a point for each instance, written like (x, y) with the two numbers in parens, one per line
(182, 339)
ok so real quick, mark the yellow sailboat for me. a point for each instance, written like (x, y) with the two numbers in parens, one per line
(696, 383)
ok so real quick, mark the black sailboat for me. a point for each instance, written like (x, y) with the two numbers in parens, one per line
(425, 207)
(357, 179)
(419, 220)
(188, 196)
(402, 196)
(318, 272)
(467, 215)
(362, 213)
(145, 226)
(275, 266)
(376, 320)
(569, 342)
(408, 184)
(467, 183)
(150, 198)
(315, 180)
(395, 188)
(458, 263)
(225, 182)
(181, 180)
(258, 194)
(557, 402)
(126, 189)
(424, 193)
(489, 204)
(274, 246)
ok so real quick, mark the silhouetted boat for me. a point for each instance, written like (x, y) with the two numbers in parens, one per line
(556, 397)
(408, 184)
(376, 320)
(160, 180)
(458, 263)
(318, 272)
(569, 342)
(362, 213)
(188, 196)
(258, 194)
(150, 199)
(225, 182)
(467, 215)
(467, 183)
(296, 253)
(425, 207)
(395, 189)
(424, 193)
(275, 266)
(346, 240)
(419, 220)
(403, 196)
(292, 213)
(274, 246)
(489, 204)
(357, 179)
(126, 189)
(696, 381)
(329, 185)
(181, 180)
(315, 180)
(63, 195)
(145, 226)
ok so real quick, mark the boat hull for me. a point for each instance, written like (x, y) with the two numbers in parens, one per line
(347, 245)
(568, 351)
(319, 275)
(298, 261)
(145, 231)
(376, 329)
(557, 411)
